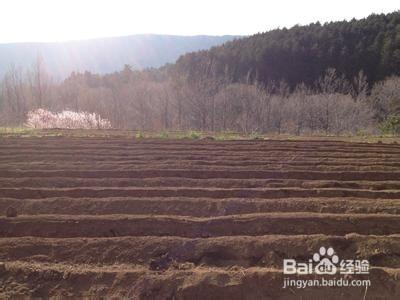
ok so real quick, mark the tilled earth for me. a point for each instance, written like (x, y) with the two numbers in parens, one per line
(193, 219)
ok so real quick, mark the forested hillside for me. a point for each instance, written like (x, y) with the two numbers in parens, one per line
(304, 53)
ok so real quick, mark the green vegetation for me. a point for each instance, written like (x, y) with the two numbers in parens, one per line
(163, 135)
(391, 125)
(139, 135)
(192, 135)
(18, 131)
(15, 130)
(227, 135)
(256, 136)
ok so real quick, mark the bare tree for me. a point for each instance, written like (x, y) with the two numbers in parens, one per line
(40, 82)
(15, 96)
(360, 86)
(385, 97)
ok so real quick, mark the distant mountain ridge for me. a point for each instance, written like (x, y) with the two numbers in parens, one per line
(105, 55)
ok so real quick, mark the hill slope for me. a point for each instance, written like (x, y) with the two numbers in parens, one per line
(303, 53)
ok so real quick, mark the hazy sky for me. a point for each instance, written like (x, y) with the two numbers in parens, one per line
(60, 20)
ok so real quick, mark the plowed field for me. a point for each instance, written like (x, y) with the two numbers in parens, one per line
(193, 219)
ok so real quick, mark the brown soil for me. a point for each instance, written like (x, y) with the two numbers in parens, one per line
(165, 219)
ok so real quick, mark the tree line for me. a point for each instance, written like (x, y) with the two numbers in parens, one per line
(155, 100)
